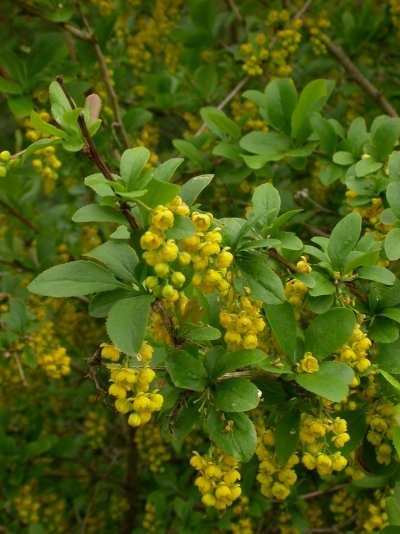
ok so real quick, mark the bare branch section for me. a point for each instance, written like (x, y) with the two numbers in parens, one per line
(88, 35)
(14, 213)
(354, 72)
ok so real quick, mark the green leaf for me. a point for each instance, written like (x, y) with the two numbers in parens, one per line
(312, 98)
(96, 213)
(10, 87)
(391, 313)
(329, 331)
(216, 120)
(287, 435)
(383, 330)
(186, 371)
(136, 118)
(388, 357)
(389, 378)
(159, 193)
(323, 285)
(393, 197)
(260, 281)
(202, 333)
(344, 238)
(132, 164)
(165, 171)
(367, 166)
(74, 279)
(59, 102)
(240, 442)
(330, 382)
(120, 258)
(236, 395)
(326, 133)
(384, 137)
(38, 145)
(20, 106)
(99, 183)
(189, 150)
(282, 321)
(377, 274)
(269, 144)
(343, 158)
(266, 200)
(275, 365)
(183, 227)
(235, 360)
(392, 244)
(360, 259)
(193, 187)
(121, 232)
(206, 79)
(127, 322)
(39, 124)
(330, 174)
(101, 304)
(280, 101)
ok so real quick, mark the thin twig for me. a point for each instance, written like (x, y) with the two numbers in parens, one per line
(352, 70)
(352, 288)
(272, 253)
(235, 10)
(94, 154)
(105, 74)
(320, 493)
(20, 370)
(12, 211)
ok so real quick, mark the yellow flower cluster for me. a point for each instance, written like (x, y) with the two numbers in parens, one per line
(243, 525)
(257, 53)
(119, 505)
(276, 480)
(246, 113)
(151, 521)
(316, 28)
(193, 123)
(131, 386)
(50, 355)
(47, 167)
(202, 251)
(371, 215)
(105, 7)
(47, 508)
(315, 434)
(152, 447)
(90, 238)
(355, 352)
(395, 14)
(95, 428)
(218, 479)
(149, 137)
(377, 518)
(295, 293)
(243, 323)
(381, 423)
(5, 162)
(152, 39)
(26, 504)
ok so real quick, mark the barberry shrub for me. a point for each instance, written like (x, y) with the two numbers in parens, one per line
(200, 309)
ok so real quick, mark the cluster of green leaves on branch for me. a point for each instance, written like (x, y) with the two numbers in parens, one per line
(234, 365)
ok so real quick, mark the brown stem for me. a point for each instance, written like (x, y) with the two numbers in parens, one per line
(272, 253)
(12, 211)
(20, 370)
(352, 70)
(158, 307)
(320, 493)
(106, 79)
(94, 154)
(356, 292)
